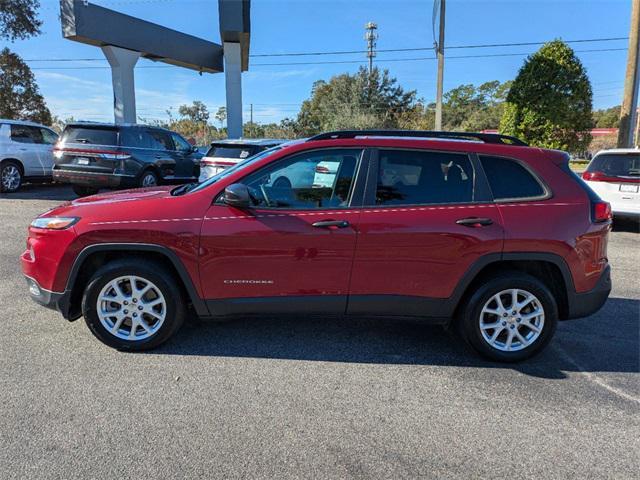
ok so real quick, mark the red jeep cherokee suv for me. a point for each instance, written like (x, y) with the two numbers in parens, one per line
(473, 230)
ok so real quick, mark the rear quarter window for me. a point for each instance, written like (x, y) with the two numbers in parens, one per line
(90, 135)
(509, 180)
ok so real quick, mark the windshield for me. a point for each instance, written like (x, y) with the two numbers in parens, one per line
(616, 165)
(231, 170)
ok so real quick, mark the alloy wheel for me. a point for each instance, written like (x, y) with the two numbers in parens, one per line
(512, 320)
(149, 180)
(131, 308)
(10, 178)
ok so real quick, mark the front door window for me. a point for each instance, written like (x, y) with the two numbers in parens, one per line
(312, 180)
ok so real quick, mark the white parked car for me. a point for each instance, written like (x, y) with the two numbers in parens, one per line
(26, 153)
(615, 176)
(226, 153)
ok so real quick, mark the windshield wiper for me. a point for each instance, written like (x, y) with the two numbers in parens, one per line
(182, 189)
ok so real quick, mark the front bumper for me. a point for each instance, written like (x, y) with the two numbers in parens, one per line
(53, 300)
(588, 303)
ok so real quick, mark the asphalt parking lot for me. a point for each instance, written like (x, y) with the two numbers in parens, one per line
(312, 398)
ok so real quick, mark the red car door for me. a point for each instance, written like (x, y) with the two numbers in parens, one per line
(293, 251)
(429, 220)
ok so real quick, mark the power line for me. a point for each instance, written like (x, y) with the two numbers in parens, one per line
(346, 52)
(345, 62)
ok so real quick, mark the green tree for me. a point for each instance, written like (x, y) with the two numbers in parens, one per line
(221, 115)
(19, 19)
(355, 101)
(607, 118)
(19, 95)
(549, 103)
(196, 112)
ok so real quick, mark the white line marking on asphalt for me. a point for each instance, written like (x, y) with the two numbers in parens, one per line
(595, 379)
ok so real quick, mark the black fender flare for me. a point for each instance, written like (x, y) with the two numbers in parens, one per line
(198, 303)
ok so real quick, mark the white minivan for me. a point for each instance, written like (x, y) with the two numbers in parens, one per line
(26, 153)
(615, 176)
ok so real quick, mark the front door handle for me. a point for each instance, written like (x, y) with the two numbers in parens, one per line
(474, 222)
(331, 224)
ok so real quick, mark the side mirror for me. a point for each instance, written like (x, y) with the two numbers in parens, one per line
(237, 195)
(193, 149)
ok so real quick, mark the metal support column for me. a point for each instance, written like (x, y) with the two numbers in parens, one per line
(122, 63)
(233, 80)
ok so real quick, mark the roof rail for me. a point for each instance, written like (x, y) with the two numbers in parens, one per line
(483, 137)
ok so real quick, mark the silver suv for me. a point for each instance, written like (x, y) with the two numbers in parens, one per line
(26, 153)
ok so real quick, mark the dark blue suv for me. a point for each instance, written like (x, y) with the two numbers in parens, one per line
(90, 156)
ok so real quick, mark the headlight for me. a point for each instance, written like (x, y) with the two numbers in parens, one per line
(54, 223)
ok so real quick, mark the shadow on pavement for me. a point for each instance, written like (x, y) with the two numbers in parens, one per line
(626, 225)
(41, 191)
(607, 341)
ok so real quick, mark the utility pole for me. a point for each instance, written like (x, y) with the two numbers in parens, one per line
(371, 36)
(251, 116)
(628, 112)
(440, 54)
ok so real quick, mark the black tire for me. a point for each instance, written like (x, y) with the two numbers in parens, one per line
(148, 179)
(10, 176)
(470, 315)
(83, 191)
(149, 271)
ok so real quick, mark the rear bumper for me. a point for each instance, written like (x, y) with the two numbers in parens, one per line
(94, 179)
(588, 303)
(53, 300)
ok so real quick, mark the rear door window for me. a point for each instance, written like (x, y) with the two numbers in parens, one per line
(90, 135)
(26, 134)
(410, 177)
(509, 180)
(136, 138)
(616, 165)
(160, 139)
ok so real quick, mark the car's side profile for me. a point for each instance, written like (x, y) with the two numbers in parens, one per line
(26, 153)
(91, 156)
(492, 237)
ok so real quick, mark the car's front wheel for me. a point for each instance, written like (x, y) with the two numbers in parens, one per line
(509, 317)
(10, 177)
(133, 305)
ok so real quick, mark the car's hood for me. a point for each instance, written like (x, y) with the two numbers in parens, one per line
(109, 199)
(124, 196)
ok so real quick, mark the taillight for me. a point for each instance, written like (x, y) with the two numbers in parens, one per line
(322, 169)
(602, 212)
(603, 177)
(106, 154)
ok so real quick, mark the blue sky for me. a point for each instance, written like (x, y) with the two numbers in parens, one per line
(283, 26)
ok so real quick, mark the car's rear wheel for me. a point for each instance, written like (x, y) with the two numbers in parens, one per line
(83, 191)
(133, 305)
(10, 177)
(510, 317)
(149, 179)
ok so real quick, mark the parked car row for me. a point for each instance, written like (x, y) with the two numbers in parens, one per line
(92, 156)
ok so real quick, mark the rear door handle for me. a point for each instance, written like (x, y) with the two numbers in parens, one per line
(331, 224)
(474, 222)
